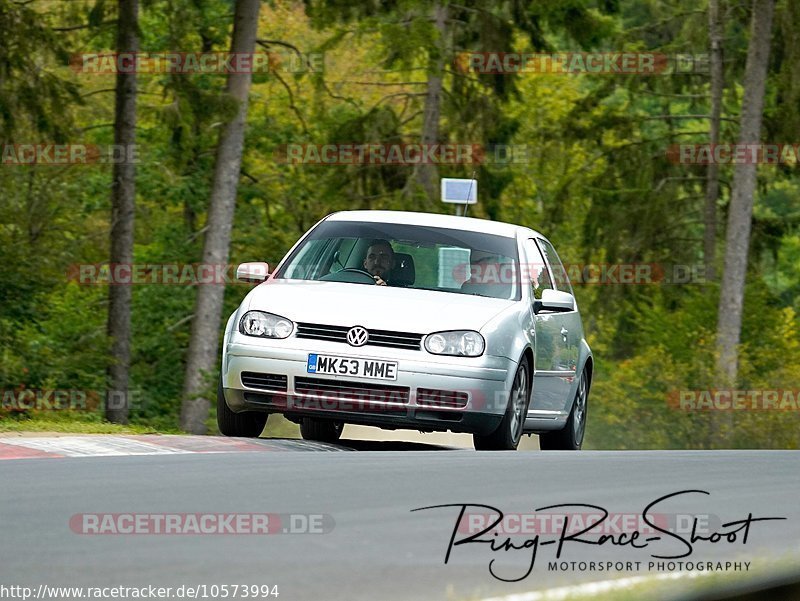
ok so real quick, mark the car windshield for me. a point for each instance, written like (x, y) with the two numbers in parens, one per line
(409, 256)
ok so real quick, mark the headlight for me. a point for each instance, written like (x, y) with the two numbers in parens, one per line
(265, 325)
(461, 343)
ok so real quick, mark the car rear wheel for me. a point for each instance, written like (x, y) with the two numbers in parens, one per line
(509, 432)
(247, 424)
(320, 430)
(570, 437)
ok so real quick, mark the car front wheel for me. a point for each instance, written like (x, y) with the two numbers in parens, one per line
(509, 432)
(570, 437)
(247, 424)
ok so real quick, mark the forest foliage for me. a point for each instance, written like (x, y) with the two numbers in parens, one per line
(592, 171)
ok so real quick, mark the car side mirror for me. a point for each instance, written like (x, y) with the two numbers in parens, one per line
(252, 272)
(554, 300)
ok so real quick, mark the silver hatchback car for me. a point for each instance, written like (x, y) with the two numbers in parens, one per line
(410, 320)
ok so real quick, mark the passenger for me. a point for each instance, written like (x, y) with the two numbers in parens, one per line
(490, 274)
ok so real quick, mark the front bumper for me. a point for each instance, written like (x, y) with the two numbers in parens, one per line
(482, 383)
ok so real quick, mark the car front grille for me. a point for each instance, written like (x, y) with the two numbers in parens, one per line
(351, 392)
(271, 382)
(446, 399)
(385, 338)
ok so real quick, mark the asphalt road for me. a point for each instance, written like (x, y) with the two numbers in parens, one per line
(377, 549)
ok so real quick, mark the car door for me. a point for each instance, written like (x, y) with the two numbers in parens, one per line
(549, 344)
(568, 326)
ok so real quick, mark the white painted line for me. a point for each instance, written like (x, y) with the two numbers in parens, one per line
(594, 588)
(100, 446)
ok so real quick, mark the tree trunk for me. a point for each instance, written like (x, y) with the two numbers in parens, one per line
(123, 205)
(427, 175)
(712, 175)
(729, 323)
(203, 347)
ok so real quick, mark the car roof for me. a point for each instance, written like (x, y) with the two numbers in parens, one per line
(469, 224)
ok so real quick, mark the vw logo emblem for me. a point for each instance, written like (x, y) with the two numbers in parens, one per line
(357, 336)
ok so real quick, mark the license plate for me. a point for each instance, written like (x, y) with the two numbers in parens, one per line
(334, 365)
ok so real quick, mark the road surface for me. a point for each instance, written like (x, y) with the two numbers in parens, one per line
(374, 547)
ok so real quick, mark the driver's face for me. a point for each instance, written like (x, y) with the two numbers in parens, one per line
(379, 259)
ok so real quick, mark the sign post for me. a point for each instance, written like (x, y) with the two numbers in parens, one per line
(460, 192)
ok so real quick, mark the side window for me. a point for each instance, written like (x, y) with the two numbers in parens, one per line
(535, 272)
(559, 273)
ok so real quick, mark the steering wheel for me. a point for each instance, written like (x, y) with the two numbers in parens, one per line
(353, 270)
(362, 271)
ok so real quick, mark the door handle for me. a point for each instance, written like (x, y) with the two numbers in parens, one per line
(564, 332)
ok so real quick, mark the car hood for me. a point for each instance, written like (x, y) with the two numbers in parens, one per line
(374, 307)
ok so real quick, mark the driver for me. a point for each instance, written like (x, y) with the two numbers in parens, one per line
(379, 261)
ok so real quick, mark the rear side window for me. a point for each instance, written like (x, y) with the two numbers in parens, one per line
(559, 273)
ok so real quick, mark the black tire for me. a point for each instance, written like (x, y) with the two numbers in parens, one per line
(570, 437)
(508, 434)
(247, 424)
(320, 430)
